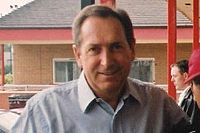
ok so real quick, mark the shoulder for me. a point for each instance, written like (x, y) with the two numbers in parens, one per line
(155, 98)
(43, 108)
(146, 88)
(53, 94)
(150, 95)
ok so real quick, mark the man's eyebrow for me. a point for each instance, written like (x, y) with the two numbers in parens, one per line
(93, 44)
(115, 42)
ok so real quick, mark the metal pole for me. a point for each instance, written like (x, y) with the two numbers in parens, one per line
(110, 3)
(195, 24)
(2, 67)
(171, 46)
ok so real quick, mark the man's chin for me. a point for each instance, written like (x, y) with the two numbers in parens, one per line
(110, 85)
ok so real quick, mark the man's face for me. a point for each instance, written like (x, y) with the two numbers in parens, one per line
(104, 54)
(177, 78)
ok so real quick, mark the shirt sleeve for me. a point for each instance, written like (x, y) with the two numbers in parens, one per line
(32, 120)
(179, 120)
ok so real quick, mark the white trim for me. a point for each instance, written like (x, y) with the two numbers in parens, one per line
(153, 65)
(60, 60)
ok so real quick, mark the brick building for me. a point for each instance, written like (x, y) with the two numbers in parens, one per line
(41, 36)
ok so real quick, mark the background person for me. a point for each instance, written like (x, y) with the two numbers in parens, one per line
(103, 99)
(179, 73)
(194, 79)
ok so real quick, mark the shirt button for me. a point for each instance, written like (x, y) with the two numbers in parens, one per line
(98, 100)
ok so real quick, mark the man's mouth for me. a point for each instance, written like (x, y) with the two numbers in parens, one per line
(108, 73)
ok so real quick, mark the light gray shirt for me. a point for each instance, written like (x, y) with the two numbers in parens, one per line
(73, 108)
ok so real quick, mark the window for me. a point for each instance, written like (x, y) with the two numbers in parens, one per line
(65, 70)
(143, 69)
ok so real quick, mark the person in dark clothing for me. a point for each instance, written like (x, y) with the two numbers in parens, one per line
(192, 105)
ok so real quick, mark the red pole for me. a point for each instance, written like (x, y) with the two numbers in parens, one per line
(110, 3)
(171, 46)
(195, 24)
(2, 67)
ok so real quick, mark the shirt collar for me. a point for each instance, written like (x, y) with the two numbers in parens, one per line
(133, 90)
(86, 96)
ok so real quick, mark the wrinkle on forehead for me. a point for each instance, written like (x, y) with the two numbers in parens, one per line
(96, 26)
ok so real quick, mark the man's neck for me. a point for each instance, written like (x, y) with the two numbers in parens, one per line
(186, 86)
(111, 96)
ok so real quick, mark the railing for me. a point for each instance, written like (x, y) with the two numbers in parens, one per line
(9, 90)
(11, 87)
(34, 89)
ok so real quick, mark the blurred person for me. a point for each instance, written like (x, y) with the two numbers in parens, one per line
(103, 99)
(194, 79)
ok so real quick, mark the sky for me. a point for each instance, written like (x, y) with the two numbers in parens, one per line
(5, 5)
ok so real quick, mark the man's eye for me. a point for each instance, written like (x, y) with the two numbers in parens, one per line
(93, 50)
(116, 46)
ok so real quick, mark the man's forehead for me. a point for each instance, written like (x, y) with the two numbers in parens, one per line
(175, 70)
(94, 24)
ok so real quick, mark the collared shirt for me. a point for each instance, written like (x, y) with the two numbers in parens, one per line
(189, 105)
(73, 108)
(183, 95)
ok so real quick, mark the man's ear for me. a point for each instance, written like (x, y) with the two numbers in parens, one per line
(76, 51)
(185, 75)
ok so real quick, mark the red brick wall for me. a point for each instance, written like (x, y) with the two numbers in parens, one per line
(159, 53)
(33, 63)
(4, 104)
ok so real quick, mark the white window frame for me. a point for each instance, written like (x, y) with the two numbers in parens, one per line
(60, 60)
(73, 60)
(153, 65)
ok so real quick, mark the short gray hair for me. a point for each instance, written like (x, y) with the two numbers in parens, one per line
(103, 11)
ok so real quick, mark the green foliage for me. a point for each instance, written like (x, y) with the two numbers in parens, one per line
(8, 69)
(8, 79)
(7, 48)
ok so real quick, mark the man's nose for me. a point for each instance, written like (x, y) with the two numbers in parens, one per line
(106, 58)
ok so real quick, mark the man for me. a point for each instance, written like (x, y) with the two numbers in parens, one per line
(194, 79)
(179, 73)
(103, 99)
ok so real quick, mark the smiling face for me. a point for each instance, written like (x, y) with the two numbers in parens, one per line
(104, 54)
